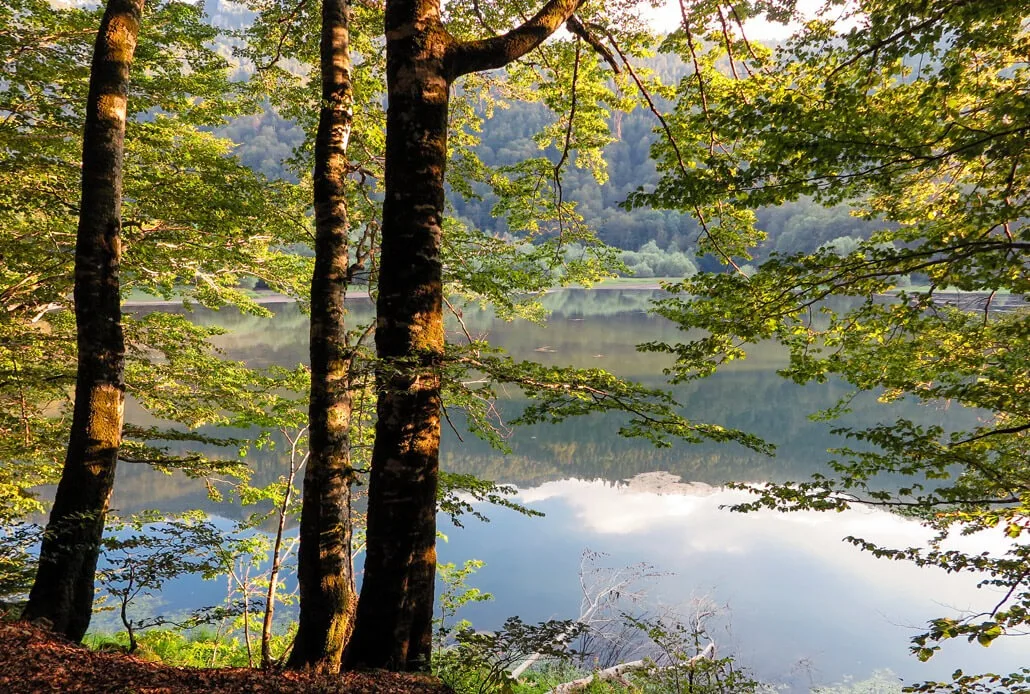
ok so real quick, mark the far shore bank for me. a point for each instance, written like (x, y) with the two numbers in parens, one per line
(960, 298)
(267, 298)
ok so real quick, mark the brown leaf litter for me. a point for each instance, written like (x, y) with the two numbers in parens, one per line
(36, 661)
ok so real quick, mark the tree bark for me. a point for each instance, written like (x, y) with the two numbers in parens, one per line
(63, 589)
(325, 574)
(393, 625)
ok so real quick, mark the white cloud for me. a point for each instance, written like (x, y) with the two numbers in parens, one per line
(686, 520)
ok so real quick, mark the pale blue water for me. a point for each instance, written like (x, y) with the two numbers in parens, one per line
(795, 603)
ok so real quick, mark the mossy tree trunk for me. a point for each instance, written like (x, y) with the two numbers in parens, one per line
(64, 586)
(325, 575)
(393, 625)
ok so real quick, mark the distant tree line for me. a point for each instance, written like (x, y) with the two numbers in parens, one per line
(266, 142)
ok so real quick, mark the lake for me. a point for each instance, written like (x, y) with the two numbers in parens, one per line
(795, 604)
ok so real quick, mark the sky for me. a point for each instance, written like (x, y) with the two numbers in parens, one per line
(759, 29)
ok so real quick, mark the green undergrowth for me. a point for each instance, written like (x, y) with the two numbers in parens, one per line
(197, 648)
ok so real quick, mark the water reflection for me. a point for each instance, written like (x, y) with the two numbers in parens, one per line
(803, 605)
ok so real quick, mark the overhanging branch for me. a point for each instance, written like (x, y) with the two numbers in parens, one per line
(497, 51)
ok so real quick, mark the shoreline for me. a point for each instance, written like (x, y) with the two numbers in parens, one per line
(272, 298)
(1003, 299)
(262, 299)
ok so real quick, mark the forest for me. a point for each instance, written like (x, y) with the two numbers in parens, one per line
(854, 192)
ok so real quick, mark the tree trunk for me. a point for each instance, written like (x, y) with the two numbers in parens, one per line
(63, 590)
(393, 625)
(394, 621)
(325, 571)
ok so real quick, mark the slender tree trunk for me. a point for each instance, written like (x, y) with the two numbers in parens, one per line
(394, 622)
(277, 556)
(63, 590)
(325, 571)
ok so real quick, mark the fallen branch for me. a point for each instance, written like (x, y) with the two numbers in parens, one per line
(537, 656)
(611, 673)
(617, 671)
(596, 598)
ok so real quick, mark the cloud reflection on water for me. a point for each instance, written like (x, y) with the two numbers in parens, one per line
(796, 593)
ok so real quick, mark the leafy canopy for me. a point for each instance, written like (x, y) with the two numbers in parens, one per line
(195, 223)
(915, 114)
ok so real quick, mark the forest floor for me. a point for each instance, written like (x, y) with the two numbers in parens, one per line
(35, 661)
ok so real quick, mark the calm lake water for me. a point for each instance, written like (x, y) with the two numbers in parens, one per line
(797, 605)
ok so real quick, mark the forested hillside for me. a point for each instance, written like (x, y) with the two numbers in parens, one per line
(266, 143)
(661, 243)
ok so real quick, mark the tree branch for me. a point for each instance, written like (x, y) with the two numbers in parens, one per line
(287, 25)
(576, 26)
(993, 432)
(497, 51)
(875, 47)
